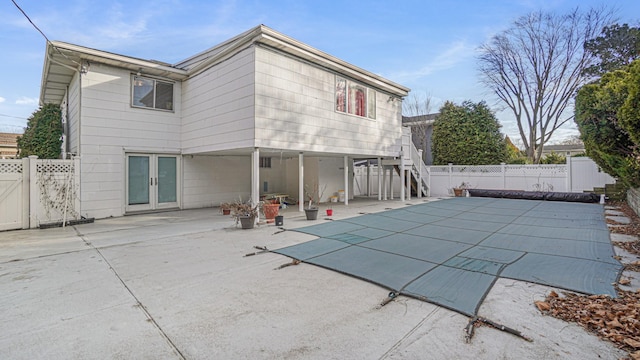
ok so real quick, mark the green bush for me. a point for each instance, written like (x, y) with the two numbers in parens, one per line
(43, 135)
(468, 134)
(607, 115)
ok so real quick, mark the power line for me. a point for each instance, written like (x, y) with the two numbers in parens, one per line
(42, 33)
(28, 18)
(15, 117)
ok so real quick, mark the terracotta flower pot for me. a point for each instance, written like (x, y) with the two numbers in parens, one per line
(270, 211)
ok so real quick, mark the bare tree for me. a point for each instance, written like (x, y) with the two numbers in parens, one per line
(536, 67)
(416, 104)
(416, 112)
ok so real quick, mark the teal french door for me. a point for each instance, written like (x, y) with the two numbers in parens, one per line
(152, 181)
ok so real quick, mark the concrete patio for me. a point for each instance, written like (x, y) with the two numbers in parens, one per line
(177, 285)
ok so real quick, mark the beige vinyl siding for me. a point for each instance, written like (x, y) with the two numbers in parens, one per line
(210, 180)
(110, 128)
(295, 110)
(219, 106)
(73, 114)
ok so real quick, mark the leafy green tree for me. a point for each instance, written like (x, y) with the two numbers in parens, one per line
(617, 46)
(607, 117)
(43, 135)
(468, 134)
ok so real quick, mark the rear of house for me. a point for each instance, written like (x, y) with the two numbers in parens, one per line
(258, 114)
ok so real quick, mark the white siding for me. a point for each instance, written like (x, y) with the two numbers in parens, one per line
(110, 127)
(219, 106)
(73, 114)
(295, 111)
(210, 180)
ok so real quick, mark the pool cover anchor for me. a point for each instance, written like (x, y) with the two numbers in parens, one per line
(469, 329)
(392, 295)
(294, 262)
(263, 249)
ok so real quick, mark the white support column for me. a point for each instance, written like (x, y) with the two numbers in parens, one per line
(255, 179)
(402, 181)
(379, 179)
(391, 183)
(419, 166)
(346, 180)
(300, 182)
(368, 178)
(384, 181)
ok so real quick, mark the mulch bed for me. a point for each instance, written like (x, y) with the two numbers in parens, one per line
(617, 320)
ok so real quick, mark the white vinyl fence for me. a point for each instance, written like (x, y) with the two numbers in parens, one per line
(35, 192)
(577, 175)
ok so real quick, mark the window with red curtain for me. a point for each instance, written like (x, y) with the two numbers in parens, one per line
(357, 100)
(354, 99)
(341, 95)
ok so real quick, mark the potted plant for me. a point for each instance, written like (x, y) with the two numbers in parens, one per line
(461, 189)
(225, 208)
(270, 209)
(245, 214)
(313, 194)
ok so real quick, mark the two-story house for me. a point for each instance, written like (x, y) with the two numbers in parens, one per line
(259, 113)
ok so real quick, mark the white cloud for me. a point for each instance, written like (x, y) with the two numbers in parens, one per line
(23, 100)
(2, 99)
(456, 53)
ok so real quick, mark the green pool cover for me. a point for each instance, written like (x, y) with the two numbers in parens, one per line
(450, 252)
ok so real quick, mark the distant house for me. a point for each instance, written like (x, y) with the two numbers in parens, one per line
(8, 145)
(421, 131)
(565, 150)
(259, 113)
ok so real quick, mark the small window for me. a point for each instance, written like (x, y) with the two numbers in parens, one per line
(265, 162)
(151, 93)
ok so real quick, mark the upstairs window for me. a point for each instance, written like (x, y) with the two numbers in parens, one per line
(355, 99)
(152, 93)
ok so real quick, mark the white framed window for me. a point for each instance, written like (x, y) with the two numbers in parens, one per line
(355, 99)
(151, 93)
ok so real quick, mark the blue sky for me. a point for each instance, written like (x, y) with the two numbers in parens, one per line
(428, 46)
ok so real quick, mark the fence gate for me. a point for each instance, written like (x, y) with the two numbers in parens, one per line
(12, 195)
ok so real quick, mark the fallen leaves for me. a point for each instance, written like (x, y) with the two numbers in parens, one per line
(615, 319)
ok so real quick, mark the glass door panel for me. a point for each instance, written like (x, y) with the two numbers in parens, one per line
(138, 180)
(167, 179)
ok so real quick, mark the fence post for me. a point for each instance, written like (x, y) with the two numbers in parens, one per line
(76, 184)
(25, 193)
(569, 177)
(504, 175)
(450, 171)
(34, 194)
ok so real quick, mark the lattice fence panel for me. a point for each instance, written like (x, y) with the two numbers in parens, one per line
(11, 167)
